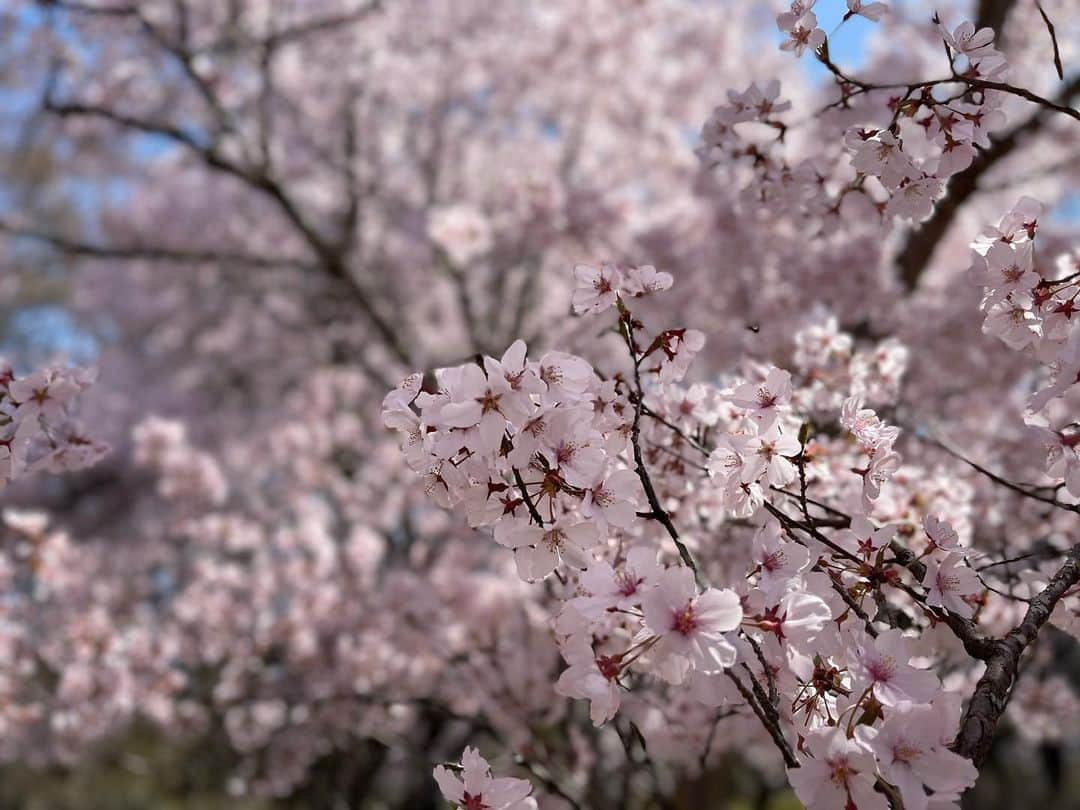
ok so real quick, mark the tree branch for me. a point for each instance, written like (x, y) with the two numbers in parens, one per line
(76, 247)
(993, 690)
(774, 731)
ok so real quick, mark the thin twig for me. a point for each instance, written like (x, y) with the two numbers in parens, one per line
(1053, 39)
(525, 495)
(547, 780)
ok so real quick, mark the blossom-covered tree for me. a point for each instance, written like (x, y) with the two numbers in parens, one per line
(756, 478)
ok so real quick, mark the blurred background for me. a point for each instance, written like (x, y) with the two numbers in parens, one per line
(255, 216)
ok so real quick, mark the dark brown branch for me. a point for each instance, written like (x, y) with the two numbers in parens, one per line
(992, 692)
(658, 511)
(90, 250)
(548, 781)
(1019, 489)
(328, 23)
(774, 694)
(647, 411)
(331, 259)
(1024, 93)
(790, 524)
(1049, 551)
(849, 600)
(317, 25)
(525, 496)
(774, 730)
(1053, 41)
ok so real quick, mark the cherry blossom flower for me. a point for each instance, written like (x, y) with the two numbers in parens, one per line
(880, 153)
(838, 774)
(863, 538)
(942, 535)
(1017, 225)
(964, 39)
(865, 425)
(692, 627)
(778, 561)
(883, 465)
(872, 11)
(758, 102)
(590, 677)
(764, 400)
(42, 395)
(786, 21)
(613, 499)
(1010, 273)
(572, 447)
(538, 550)
(882, 664)
(620, 588)
(678, 348)
(910, 754)
(914, 200)
(804, 34)
(948, 581)
(1062, 457)
(692, 406)
(597, 288)
(796, 620)
(566, 376)
(646, 279)
(37, 431)
(1013, 323)
(521, 378)
(476, 789)
(768, 454)
(483, 403)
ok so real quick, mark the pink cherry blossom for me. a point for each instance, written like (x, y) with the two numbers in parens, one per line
(804, 34)
(882, 665)
(837, 773)
(476, 789)
(948, 581)
(691, 627)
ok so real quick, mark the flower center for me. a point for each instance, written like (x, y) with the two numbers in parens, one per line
(627, 582)
(881, 670)
(564, 454)
(948, 582)
(684, 621)
(906, 752)
(774, 561)
(489, 401)
(553, 539)
(608, 666)
(1012, 273)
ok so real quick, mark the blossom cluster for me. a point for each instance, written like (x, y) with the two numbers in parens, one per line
(910, 140)
(1030, 307)
(746, 548)
(550, 453)
(37, 430)
(951, 127)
